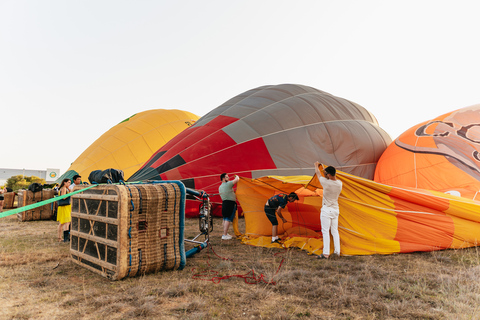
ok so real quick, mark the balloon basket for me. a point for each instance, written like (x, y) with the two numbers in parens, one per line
(27, 197)
(121, 231)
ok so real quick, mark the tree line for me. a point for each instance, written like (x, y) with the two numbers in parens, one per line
(22, 182)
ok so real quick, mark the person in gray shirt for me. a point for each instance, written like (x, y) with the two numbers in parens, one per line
(229, 202)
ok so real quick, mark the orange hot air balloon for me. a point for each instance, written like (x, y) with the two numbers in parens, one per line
(442, 154)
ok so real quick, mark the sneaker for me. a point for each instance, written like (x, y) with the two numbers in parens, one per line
(321, 257)
(226, 237)
(276, 241)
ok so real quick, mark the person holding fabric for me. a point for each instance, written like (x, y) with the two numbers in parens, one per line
(229, 202)
(274, 206)
(332, 187)
(64, 212)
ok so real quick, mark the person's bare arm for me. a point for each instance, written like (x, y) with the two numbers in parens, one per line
(317, 170)
(279, 212)
(236, 179)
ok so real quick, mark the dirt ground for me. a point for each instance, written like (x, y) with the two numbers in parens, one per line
(229, 280)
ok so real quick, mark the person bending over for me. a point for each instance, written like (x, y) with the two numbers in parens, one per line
(274, 206)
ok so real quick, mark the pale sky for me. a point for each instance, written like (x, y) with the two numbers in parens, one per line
(71, 70)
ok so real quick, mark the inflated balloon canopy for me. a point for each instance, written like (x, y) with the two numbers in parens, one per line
(441, 154)
(127, 145)
(271, 130)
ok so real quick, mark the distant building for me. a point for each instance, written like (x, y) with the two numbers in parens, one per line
(50, 175)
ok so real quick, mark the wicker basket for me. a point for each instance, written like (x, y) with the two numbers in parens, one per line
(26, 197)
(123, 231)
(10, 200)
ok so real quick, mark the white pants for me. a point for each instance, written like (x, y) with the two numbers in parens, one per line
(330, 224)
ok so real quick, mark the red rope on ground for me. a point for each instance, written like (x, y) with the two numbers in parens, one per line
(249, 278)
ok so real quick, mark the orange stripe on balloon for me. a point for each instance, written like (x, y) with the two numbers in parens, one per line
(421, 223)
(416, 198)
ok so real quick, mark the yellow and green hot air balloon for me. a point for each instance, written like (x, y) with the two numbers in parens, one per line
(129, 144)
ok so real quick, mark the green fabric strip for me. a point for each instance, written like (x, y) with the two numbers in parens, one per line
(42, 203)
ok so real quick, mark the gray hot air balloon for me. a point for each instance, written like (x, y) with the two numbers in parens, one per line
(270, 130)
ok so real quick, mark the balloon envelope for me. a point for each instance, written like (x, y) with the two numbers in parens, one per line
(374, 218)
(130, 143)
(271, 130)
(441, 154)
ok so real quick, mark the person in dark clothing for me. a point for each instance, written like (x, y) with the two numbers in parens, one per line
(274, 206)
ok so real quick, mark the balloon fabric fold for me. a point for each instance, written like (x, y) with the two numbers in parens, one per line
(374, 218)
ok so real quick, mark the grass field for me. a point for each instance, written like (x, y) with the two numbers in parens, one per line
(38, 281)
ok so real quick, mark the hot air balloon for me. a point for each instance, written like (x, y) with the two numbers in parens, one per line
(441, 154)
(270, 130)
(130, 143)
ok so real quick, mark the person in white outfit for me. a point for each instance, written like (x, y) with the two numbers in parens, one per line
(332, 187)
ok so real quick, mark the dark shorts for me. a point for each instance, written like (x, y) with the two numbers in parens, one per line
(229, 208)
(2, 197)
(271, 215)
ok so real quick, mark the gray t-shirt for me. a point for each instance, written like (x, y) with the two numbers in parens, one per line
(226, 191)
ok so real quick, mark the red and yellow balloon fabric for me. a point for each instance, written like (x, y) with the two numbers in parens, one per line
(270, 130)
(374, 218)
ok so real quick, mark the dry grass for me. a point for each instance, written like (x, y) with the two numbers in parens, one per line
(38, 281)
